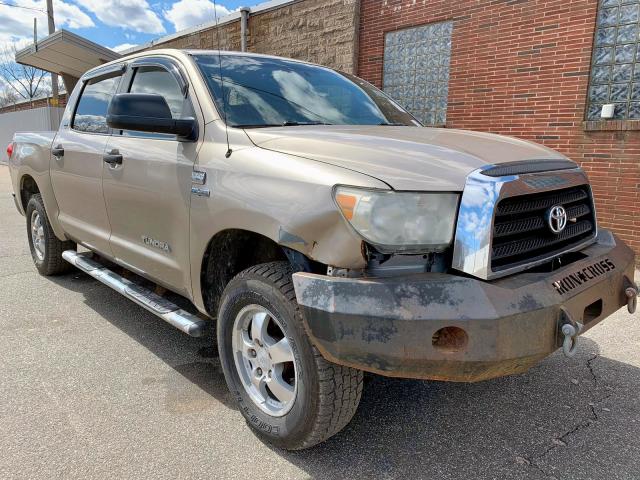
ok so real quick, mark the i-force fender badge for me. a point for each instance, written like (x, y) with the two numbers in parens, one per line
(152, 242)
(585, 275)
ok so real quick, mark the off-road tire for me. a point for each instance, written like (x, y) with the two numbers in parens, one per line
(52, 263)
(327, 394)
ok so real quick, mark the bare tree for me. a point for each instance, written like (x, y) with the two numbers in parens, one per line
(27, 82)
(8, 96)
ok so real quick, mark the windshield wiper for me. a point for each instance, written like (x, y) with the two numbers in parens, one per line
(256, 125)
(391, 124)
(283, 124)
(296, 124)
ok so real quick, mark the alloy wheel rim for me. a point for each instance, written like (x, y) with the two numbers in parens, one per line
(264, 360)
(37, 235)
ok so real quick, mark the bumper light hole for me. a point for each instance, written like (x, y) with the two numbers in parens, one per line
(450, 339)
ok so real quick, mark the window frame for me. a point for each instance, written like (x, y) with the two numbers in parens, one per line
(591, 122)
(95, 76)
(171, 67)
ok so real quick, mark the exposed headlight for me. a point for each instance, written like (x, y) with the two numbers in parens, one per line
(400, 221)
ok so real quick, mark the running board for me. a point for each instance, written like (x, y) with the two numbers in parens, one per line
(163, 308)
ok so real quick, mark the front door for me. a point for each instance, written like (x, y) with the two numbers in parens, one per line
(77, 163)
(148, 191)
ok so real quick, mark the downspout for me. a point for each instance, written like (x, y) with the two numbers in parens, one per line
(244, 17)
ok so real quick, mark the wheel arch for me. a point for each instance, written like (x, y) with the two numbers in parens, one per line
(30, 182)
(28, 187)
(233, 250)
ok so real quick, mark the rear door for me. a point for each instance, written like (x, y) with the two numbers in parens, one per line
(148, 194)
(76, 162)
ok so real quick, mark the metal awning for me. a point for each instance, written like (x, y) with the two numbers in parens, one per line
(66, 54)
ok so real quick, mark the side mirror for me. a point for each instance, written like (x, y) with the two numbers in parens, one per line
(146, 112)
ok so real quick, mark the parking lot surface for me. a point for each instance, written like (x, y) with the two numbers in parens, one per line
(93, 386)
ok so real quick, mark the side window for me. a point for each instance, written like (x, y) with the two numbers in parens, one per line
(91, 112)
(159, 81)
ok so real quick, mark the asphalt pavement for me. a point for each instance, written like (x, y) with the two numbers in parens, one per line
(93, 386)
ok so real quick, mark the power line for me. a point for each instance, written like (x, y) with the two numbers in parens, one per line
(25, 8)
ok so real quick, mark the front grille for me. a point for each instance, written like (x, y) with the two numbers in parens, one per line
(521, 233)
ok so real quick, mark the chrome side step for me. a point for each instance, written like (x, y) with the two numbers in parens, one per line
(163, 308)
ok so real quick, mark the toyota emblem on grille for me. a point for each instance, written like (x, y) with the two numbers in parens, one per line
(557, 218)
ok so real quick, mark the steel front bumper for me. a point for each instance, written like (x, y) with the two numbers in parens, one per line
(397, 326)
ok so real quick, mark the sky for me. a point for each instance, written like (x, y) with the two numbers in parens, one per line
(115, 24)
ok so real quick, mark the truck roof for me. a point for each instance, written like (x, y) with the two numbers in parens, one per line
(178, 52)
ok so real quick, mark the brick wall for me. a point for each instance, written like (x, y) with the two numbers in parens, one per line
(520, 67)
(319, 31)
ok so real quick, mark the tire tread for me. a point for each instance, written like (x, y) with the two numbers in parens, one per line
(53, 263)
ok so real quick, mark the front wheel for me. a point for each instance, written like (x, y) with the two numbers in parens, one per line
(46, 248)
(288, 393)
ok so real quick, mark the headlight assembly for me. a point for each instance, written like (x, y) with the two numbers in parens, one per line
(400, 221)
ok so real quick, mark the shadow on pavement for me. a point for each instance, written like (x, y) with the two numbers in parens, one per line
(565, 418)
(160, 338)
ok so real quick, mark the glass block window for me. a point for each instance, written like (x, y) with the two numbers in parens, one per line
(416, 70)
(615, 66)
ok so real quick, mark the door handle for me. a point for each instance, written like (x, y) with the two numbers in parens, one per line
(113, 158)
(57, 151)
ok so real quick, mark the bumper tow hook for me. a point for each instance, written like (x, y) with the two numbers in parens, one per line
(632, 298)
(570, 343)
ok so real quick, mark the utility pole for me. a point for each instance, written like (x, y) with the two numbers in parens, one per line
(54, 76)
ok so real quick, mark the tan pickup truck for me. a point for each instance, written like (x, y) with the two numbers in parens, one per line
(318, 228)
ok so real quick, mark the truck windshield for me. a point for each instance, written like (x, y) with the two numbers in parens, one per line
(254, 92)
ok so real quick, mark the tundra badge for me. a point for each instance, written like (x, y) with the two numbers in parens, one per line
(152, 242)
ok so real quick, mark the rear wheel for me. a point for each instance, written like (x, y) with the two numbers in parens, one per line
(46, 248)
(288, 393)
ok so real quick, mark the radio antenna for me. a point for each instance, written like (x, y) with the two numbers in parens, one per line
(224, 101)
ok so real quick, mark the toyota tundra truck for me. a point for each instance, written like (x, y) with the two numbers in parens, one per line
(317, 228)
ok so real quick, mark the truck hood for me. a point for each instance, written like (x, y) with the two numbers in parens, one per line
(406, 158)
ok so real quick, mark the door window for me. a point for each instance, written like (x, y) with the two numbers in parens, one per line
(159, 81)
(91, 112)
